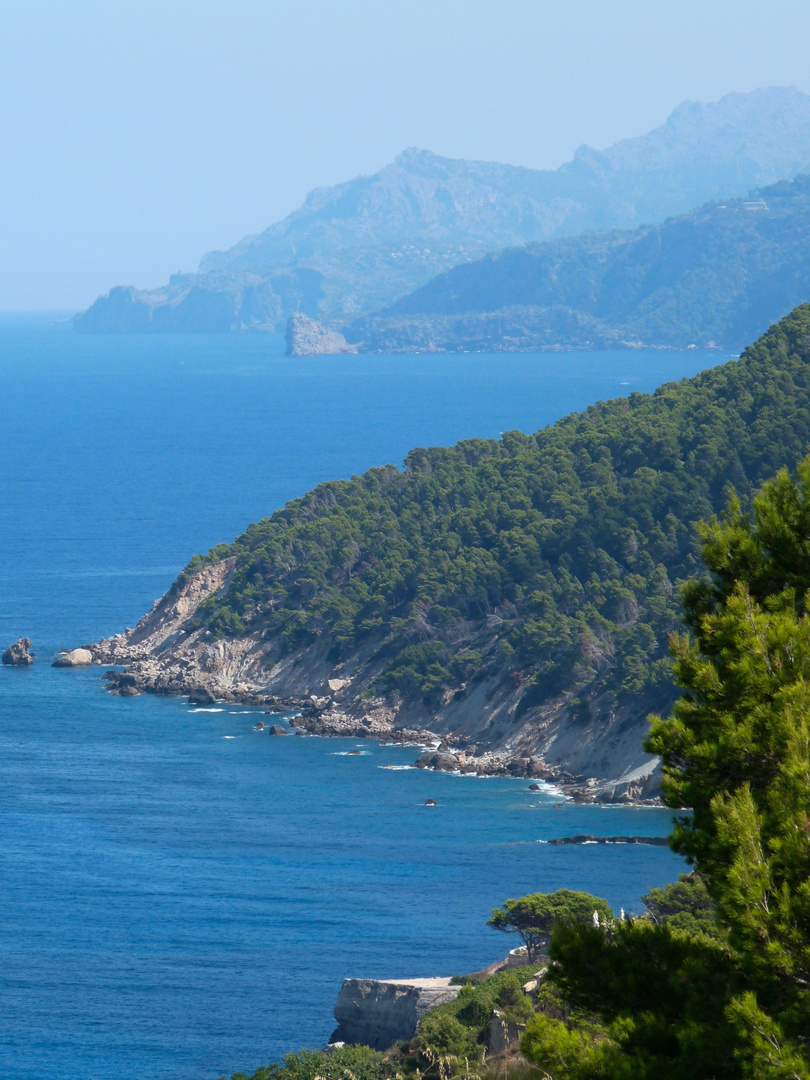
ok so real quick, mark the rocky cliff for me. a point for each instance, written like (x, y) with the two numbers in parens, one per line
(379, 1013)
(306, 337)
(167, 653)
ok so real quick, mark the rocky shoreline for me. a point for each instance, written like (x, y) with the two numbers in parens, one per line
(472, 731)
(318, 716)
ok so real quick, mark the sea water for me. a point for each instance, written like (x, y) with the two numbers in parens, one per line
(181, 894)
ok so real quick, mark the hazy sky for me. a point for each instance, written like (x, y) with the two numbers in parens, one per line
(138, 135)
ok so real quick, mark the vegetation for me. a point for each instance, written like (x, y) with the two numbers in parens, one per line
(716, 275)
(533, 917)
(550, 563)
(671, 1000)
(345, 1063)
(683, 905)
(714, 980)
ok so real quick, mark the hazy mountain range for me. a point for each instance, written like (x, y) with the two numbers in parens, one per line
(716, 276)
(360, 246)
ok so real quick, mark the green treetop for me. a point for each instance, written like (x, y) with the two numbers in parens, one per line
(533, 917)
(672, 1002)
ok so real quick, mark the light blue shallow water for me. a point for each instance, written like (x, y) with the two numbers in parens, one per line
(182, 895)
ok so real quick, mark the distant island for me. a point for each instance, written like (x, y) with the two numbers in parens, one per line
(360, 246)
(506, 602)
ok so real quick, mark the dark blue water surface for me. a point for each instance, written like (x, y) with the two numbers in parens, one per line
(181, 895)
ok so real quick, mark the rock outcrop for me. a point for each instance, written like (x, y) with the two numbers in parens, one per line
(504, 1034)
(168, 653)
(19, 654)
(587, 838)
(379, 1013)
(74, 658)
(306, 337)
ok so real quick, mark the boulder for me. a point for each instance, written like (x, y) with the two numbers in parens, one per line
(18, 655)
(431, 802)
(276, 729)
(128, 691)
(440, 762)
(74, 658)
(537, 767)
(201, 695)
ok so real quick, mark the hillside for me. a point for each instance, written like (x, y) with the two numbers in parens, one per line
(716, 276)
(511, 596)
(360, 245)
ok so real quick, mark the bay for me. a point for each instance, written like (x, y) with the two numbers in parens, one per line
(182, 895)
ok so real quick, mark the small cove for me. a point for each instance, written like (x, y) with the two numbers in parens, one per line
(183, 893)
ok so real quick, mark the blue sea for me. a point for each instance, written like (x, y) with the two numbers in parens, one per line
(182, 895)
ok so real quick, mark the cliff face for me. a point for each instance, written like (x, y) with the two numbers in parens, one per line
(306, 337)
(475, 732)
(217, 303)
(376, 1013)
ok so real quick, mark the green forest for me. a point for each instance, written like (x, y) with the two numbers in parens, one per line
(712, 982)
(551, 561)
(716, 275)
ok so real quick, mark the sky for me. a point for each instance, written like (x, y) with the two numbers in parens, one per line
(138, 135)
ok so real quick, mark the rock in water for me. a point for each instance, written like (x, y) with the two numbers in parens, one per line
(439, 762)
(277, 729)
(201, 695)
(306, 337)
(18, 655)
(74, 658)
(654, 841)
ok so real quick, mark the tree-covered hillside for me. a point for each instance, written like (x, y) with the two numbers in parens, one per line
(549, 561)
(718, 275)
(712, 981)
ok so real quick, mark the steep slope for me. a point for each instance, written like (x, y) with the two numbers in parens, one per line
(511, 596)
(360, 245)
(716, 276)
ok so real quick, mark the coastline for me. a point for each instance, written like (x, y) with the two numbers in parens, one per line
(473, 730)
(313, 717)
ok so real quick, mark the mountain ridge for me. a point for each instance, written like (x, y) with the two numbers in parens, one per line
(715, 277)
(358, 246)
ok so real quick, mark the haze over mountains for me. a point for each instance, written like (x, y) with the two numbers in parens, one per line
(362, 245)
(714, 277)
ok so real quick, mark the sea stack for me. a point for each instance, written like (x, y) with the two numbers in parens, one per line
(18, 654)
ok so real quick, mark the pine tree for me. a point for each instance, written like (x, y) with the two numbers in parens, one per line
(737, 752)
(667, 1002)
